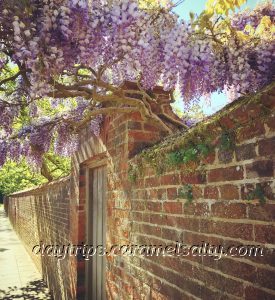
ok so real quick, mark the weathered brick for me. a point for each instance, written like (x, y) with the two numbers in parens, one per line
(267, 147)
(171, 234)
(263, 168)
(138, 194)
(171, 291)
(176, 264)
(140, 183)
(254, 293)
(267, 189)
(261, 212)
(225, 174)
(154, 206)
(136, 135)
(270, 124)
(172, 179)
(211, 192)
(237, 268)
(136, 116)
(250, 131)
(182, 223)
(146, 217)
(150, 230)
(152, 182)
(268, 99)
(229, 192)
(266, 278)
(209, 159)
(138, 205)
(156, 194)
(121, 213)
(157, 219)
(227, 122)
(240, 115)
(253, 110)
(228, 229)
(134, 125)
(172, 193)
(265, 233)
(219, 282)
(197, 209)
(184, 283)
(265, 256)
(150, 127)
(246, 151)
(172, 207)
(232, 210)
(225, 156)
(193, 178)
(197, 192)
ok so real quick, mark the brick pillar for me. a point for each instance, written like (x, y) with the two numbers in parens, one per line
(143, 133)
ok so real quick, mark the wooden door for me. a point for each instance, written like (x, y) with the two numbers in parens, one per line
(96, 233)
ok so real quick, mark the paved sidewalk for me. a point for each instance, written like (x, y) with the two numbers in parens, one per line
(19, 278)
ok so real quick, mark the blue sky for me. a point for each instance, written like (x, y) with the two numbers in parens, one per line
(196, 6)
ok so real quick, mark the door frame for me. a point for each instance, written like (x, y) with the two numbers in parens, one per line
(96, 162)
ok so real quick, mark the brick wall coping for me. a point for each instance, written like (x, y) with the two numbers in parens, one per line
(42, 187)
(233, 115)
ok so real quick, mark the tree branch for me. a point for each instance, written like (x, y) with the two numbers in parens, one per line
(45, 171)
(118, 95)
(13, 77)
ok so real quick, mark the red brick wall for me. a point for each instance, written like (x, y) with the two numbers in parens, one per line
(43, 215)
(149, 212)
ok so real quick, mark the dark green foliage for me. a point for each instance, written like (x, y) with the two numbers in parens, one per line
(257, 193)
(227, 140)
(176, 157)
(18, 176)
(192, 153)
(204, 149)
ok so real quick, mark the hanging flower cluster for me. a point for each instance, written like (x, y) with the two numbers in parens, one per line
(76, 52)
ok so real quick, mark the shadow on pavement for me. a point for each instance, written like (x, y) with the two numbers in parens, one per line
(35, 290)
(3, 249)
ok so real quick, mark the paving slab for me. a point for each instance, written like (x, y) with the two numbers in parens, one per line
(19, 278)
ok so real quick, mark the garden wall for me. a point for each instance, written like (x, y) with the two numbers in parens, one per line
(216, 166)
(43, 216)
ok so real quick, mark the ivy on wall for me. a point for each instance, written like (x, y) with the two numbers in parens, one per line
(190, 154)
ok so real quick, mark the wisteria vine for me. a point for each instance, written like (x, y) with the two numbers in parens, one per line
(78, 54)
